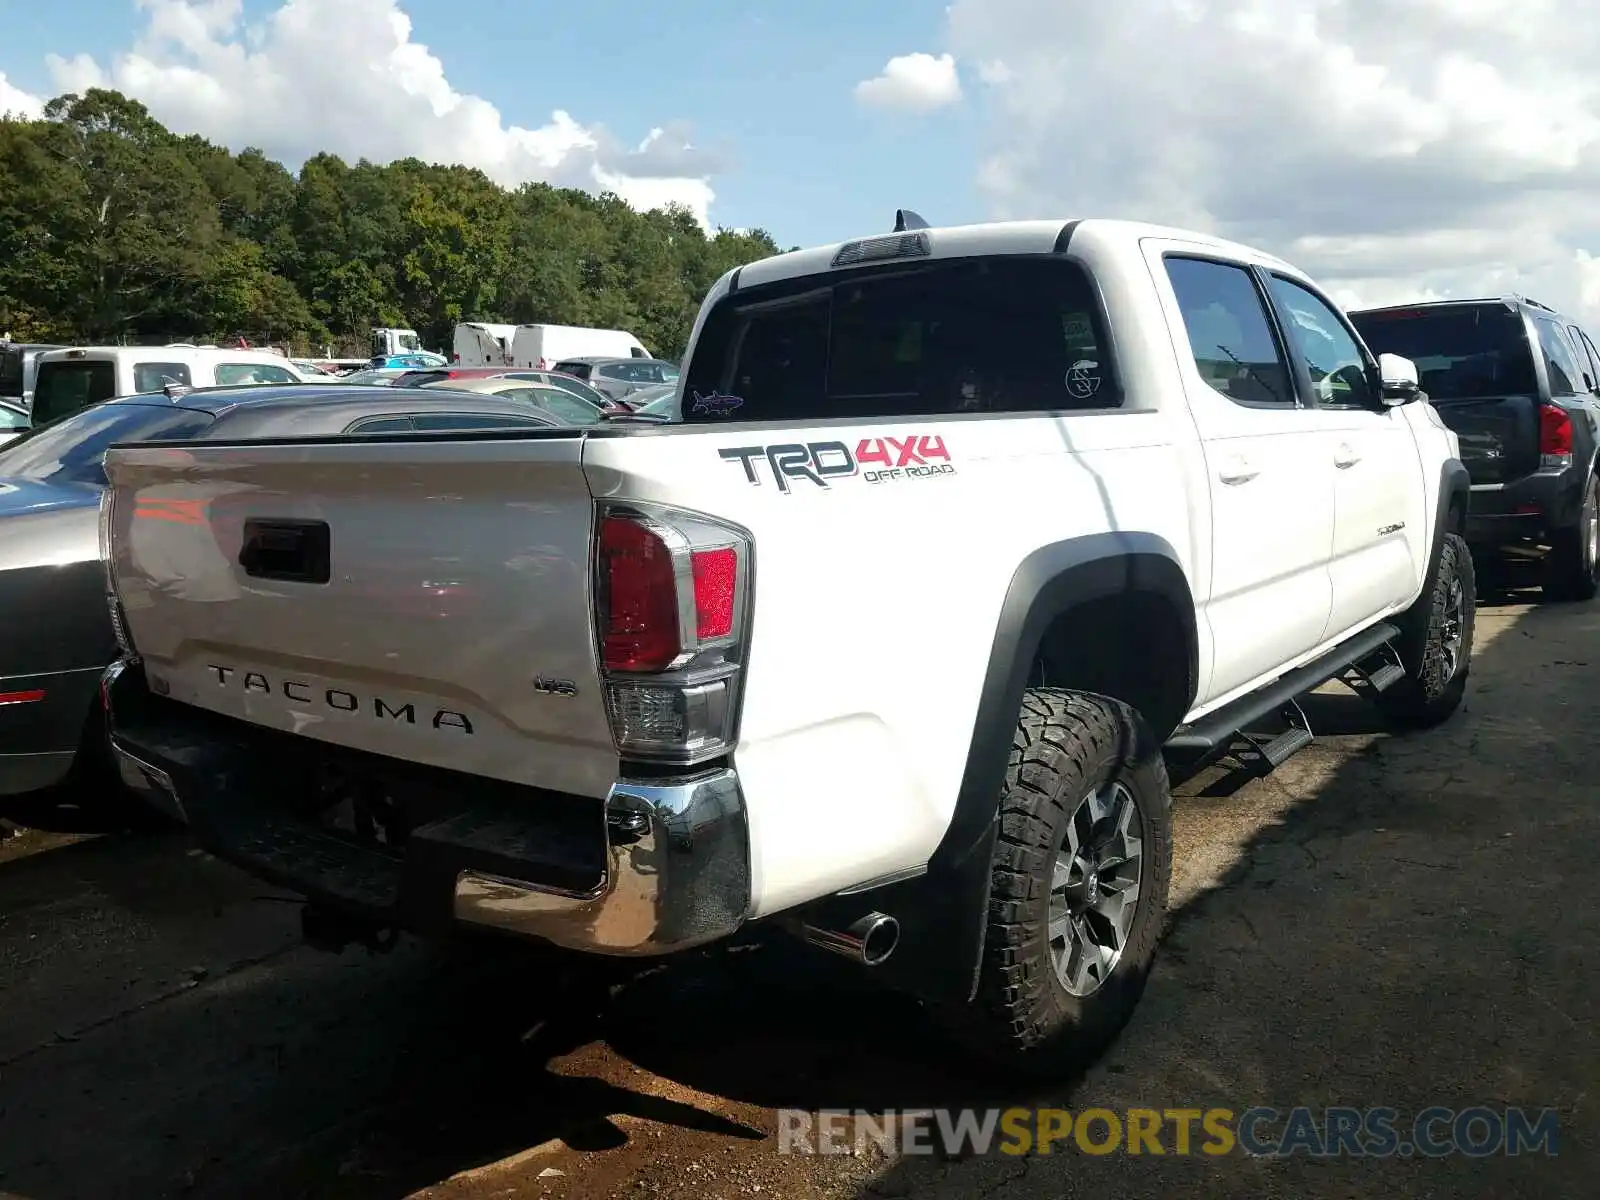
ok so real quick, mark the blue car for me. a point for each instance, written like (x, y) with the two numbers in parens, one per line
(407, 362)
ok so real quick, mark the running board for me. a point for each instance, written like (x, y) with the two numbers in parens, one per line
(1217, 730)
(1274, 752)
(1376, 673)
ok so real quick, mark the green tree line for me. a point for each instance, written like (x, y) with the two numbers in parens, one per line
(115, 229)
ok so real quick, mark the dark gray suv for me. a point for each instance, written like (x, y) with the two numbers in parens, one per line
(617, 377)
(1520, 384)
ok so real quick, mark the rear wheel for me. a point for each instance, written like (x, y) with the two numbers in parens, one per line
(1078, 894)
(1436, 642)
(1572, 570)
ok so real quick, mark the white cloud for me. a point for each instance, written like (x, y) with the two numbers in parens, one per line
(200, 68)
(1394, 148)
(913, 83)
(15, 102)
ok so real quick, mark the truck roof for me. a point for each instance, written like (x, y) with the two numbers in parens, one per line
(991, 237)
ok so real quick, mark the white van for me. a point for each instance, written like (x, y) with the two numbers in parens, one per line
(481, 345)
(75, 378)
(540, 347)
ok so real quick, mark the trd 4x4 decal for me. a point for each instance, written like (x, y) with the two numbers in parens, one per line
(877, 460)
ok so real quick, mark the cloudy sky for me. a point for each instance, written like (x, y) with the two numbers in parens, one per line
(1394, 148)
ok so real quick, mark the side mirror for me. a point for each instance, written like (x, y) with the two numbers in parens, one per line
(1397, 380)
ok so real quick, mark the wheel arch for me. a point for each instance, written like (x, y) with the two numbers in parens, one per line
(1125, 592)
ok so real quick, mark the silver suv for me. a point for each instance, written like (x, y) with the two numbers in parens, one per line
(617, 377)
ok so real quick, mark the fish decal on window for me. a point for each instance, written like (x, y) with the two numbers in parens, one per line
(717, 402)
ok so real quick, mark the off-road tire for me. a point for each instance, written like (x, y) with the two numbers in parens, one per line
(1433, 689)
(1067, 746)
(1572, 568)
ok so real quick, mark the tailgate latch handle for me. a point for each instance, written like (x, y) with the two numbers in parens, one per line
(293, 551)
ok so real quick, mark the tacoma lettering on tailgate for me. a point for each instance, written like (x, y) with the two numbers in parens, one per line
(338, 699)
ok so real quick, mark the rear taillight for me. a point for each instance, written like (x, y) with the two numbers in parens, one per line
(1555, 436)
(671, 613)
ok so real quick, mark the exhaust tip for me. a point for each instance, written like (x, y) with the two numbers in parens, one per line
(869, 941)
(879, 935)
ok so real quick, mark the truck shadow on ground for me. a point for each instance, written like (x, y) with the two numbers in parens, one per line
(1382, 935)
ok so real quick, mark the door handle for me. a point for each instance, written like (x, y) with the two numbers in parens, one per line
(1345, 456)
(1237, 469)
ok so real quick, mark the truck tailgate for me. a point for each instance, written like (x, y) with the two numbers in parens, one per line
(419, 598)
(1499, 435)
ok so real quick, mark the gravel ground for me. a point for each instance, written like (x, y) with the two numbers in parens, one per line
(1383, 921)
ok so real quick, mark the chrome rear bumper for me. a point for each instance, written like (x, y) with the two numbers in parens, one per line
(675, 871)
(677, 876)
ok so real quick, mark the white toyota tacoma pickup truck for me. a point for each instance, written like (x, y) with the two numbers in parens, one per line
(961, 535)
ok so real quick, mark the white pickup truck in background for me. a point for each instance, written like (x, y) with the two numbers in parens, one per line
(962, 533)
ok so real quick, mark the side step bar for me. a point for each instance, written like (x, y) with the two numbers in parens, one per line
(1217, 730)
(1273, 752)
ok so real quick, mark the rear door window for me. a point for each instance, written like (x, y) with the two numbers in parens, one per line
(153, 376)
(581, 370)
(1462, 351)
(564, 406)
(989, 335)
(65, 387)
(1236, 352)
(1560, 360)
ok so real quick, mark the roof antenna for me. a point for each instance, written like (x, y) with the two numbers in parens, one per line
(905, 219)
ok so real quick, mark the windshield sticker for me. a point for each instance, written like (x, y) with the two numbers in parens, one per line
(876, 460)
(1075, 328)
(1083, 378)
(717, 402)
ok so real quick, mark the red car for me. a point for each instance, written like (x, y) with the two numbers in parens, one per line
(567, 383)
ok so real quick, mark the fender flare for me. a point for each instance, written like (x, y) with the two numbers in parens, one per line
(943, 913)
(1455, 484)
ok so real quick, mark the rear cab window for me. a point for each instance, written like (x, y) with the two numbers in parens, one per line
(981, 335)
(71, 384)
(1462, 351)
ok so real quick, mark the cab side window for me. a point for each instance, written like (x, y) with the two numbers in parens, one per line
(153, 376)
(1331, 354)
(245, 373)
(1231, 337)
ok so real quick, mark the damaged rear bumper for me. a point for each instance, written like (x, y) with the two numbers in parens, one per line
(657, 867)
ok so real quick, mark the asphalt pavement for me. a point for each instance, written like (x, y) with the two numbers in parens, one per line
(1398, 921)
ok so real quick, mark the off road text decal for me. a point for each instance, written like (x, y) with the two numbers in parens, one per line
(876, 460)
